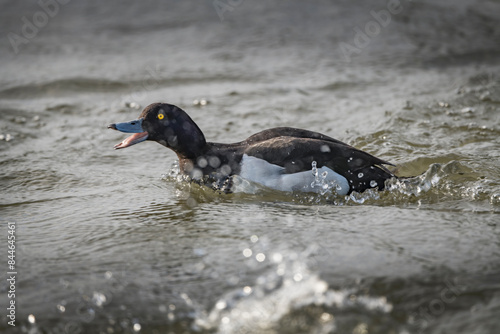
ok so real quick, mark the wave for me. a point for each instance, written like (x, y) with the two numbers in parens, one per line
(152, 80)
(287, 298)
(452, 182)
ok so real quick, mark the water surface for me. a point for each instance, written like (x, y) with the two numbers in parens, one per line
(113, 242)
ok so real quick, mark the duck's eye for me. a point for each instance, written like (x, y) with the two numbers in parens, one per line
(160, 116)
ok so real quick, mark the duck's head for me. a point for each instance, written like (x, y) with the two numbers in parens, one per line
(166, 124)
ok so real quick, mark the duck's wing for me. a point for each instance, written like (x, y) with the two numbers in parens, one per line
(289, 132)
(362, 170)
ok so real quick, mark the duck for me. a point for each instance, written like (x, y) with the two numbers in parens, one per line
(282, 158)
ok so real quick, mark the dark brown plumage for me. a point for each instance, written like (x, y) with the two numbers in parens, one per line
(292, 149)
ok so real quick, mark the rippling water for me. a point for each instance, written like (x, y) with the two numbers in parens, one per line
(115, 242)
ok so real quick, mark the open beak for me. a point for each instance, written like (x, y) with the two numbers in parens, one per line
(134, 127)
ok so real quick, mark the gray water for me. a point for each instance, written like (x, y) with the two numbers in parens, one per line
(116, 242)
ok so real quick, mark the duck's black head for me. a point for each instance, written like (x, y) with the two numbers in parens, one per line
(166, 124)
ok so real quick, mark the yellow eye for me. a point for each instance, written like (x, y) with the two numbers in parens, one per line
(160, 116)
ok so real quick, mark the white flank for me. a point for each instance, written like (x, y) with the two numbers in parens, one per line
(272, 176)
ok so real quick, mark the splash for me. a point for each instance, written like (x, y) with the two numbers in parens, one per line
(442, 183)
(270, 304)
(185, 182)
(173, 173)
(417, 185)
(321, 182)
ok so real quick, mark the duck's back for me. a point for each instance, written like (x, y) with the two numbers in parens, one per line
(293, 151)
(289, 132)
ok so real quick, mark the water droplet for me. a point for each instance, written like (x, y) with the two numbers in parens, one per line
(202, 162)
(325, 148)
(247, 290)
(99, 299)
(325, 317)
(186, 298)
(373, 183)
(31, 319)
(361, 329)
(247, 252)
(225, 170)
(277, 257)
(297, 277)
(133, 105)
(137, 327)
(196, 174)
(260, 257)
(221, 305)
(254, 238)
(214, 162)
(360, 175)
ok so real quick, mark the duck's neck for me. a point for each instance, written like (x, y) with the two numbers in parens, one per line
(186, 139)
(190, 151)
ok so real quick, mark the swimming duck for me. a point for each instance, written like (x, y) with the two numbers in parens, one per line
(285, 159)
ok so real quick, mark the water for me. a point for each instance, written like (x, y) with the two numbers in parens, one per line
(115, 242)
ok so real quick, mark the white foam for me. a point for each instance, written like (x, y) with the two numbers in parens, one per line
(272, 176)
(289, 286)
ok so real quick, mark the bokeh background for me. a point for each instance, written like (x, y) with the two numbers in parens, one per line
(114, 242)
